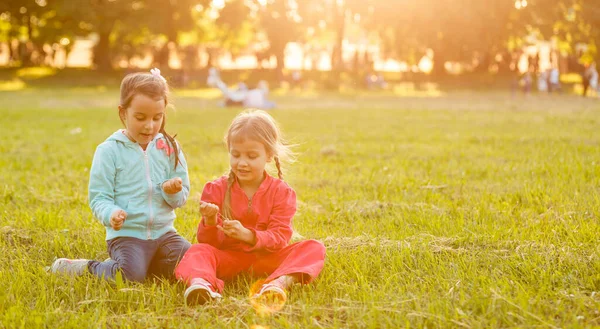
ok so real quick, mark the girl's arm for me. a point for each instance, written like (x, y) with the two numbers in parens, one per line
(279, 228)
(101, 189)
(213, 193)
(178, 199)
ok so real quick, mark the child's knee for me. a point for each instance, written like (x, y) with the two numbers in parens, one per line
(174, 252)
(314, 246)
(199, 248)
(133, 273)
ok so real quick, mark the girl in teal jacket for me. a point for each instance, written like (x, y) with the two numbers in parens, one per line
(138, 177)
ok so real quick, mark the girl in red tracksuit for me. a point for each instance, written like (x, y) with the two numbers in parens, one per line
(246, 221)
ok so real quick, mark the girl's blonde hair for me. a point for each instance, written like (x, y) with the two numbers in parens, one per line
(153, 86)
(258, 126)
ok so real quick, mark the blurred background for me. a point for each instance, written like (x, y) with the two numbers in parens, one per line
(329, 44)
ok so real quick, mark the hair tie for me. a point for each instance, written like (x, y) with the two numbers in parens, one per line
(156, 72)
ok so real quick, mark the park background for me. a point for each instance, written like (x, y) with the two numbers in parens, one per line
(447, 196)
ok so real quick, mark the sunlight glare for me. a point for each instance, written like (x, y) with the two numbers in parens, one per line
(264, 306)
(425, 64)
(520, 4)
(218, 3)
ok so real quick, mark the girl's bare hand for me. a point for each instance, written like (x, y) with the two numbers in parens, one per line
(172, 186)
(117, 219)
(209, 211)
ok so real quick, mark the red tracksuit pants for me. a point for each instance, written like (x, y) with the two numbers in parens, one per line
(214, 265)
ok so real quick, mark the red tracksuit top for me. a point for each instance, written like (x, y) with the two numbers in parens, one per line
(268, 215)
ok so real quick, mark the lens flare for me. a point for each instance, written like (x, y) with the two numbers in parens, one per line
(267, 303)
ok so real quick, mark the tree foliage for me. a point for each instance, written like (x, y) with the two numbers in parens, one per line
(469, 31)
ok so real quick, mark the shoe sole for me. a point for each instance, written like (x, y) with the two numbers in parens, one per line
(272, 291)
(271, 297)
(199, 296)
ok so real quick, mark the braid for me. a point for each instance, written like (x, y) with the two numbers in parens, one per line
(278, 165)
(226, 211)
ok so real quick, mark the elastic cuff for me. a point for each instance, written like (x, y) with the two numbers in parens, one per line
(208, 226)
(256, 246)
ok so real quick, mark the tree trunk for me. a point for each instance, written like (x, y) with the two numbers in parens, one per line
(162, 60)
(27, 51)
(165, 53)
(102, 52)
(485, 62)
(11, 51)
(210, 60)
(338, 50)
(280, 58)
(336, 57)
(171, 32)
(439, 59)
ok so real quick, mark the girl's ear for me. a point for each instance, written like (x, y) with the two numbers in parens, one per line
(122, 113)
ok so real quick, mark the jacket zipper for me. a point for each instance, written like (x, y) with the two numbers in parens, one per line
(150, 191)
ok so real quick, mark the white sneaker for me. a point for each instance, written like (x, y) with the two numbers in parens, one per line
(75, 267)
(200, 292)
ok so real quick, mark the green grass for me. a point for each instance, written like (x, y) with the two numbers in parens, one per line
(466, 210)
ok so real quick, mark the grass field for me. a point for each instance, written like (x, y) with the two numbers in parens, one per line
(464, 210)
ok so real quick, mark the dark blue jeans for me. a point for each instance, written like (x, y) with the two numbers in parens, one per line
(139, 259)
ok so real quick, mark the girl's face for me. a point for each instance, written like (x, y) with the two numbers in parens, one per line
(248, 159)
(143, 118)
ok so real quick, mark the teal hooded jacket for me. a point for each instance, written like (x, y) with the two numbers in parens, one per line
(124, 176)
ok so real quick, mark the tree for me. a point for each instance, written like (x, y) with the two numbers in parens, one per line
(228, 27)
(569, 22)
(170, 18)
(36, 26)
(280, 22)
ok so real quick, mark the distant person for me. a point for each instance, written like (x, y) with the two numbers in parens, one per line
(242, 96)
(382, 84)
(138, 178)
(590, 78)
(236, 96)
(594, 78)
(296, 79)
(246, 223)
(542, 82)
(554, 80)
(375, 81)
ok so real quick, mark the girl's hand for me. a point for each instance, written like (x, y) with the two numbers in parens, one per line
(235, 229)
(172, 186)
(117, 218)
(209, 211)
